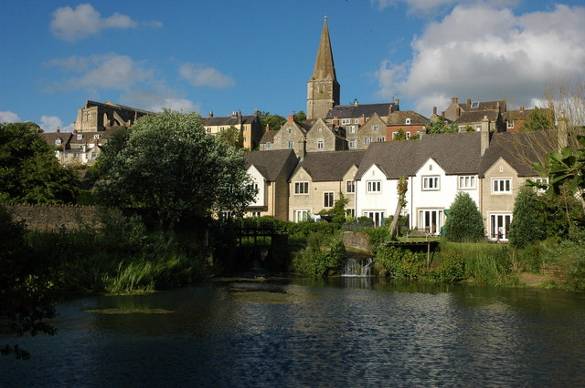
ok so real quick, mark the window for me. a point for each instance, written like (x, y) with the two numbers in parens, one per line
(500, 226)
(57, 141)
(430, 183)
(320, 129)
(407, 135)
(367, 140)
(502, 186)
(376, 216)
(374, 186)
(475, 105)
(466, 182)
(350, 212)
(290, 144)
(375, 127)
(208, 129)
(345, 121)
(256, 214)
(301, 187)
(96, 136)
(542, 184)
(356, 121)
(289, 129)
(268, 146)
(510, 124)
(395, 134)
(302, 215)
(255, 187)
(328, 199)
(381, 139)
(320, 144)
(407, 121)
(430, 220)
(352, 144)
(352, 129)
(350, 186)
(478, 128)
(79, 136)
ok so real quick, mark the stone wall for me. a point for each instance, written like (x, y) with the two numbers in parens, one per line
(357, 241)
(54, 217)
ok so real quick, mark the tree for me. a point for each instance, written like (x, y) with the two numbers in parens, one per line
(337, 213)
(529, 220)
(25, 300)
(29, 171)
(171, 168)
(464, 221)
(300, 117)
(274, 121)
(232, 137)
(402, 189)
(539, 119)
(400, 135)
(441, 126)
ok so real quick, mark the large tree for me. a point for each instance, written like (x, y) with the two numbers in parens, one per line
(464, 221)
(440, 125)
(29, 171)
(529, 221)
(168, 165)
(273, 121)
(539, 119)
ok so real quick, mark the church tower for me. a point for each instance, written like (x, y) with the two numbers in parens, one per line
(322, 88)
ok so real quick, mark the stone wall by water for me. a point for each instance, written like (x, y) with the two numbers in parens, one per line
(357, 241)
(54, 217)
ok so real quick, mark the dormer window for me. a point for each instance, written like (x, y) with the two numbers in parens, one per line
(96, 136)
(79, 136)
(407, 121)
(57, 141)
(375, 127)
(289, 129)
(320, 144)
(475, 105)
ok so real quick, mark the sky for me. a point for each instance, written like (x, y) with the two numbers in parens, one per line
(222, 56)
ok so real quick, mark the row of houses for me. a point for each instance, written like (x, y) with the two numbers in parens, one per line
(490, 166)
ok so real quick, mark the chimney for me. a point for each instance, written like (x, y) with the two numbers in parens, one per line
(210, 114)
(484, 135)
(363, 119)
(290, 118)
(468, 103)
(355, 102)
(58, 130)
(397, 103)
(454, 100)
(522, 108)
(498, 106)
(434, 110)
(562, 133)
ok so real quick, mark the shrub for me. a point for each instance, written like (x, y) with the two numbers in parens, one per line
(399, 263)
(529, 220)
(451, 269)
(464, 221)
(377, 237)
(321, 255)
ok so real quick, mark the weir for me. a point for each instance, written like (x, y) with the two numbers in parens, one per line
(357, 267)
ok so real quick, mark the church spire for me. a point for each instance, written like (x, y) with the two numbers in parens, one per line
(324, 66)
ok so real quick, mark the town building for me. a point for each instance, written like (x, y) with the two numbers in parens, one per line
(411, 123)
(248, 127)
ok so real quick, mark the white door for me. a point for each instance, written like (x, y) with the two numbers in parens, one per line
(500, 226)
(430, 220)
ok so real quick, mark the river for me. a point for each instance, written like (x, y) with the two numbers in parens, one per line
(347, 332)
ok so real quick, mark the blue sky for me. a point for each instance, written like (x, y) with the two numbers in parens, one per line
(223, 56)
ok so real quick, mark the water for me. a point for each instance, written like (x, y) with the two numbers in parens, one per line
(357, 267)
(350, 332)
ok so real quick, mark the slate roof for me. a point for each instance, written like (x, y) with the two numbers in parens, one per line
(483, 105)
(88, 137)
(227, 120)
(324, 65)
(456, 153)
(111, 105)
(347, 111)
(272, 163)
(330, 165)
(268, 136)
(50, 138)
(523, 114)
(476, 116)
(399, 118)
(520, 150)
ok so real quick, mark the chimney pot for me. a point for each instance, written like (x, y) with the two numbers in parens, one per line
(290, 118)
(468, 103)
(355, 102)
(434, 110)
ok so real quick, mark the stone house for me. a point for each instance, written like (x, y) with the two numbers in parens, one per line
(455, 108)
(411, 122)
(248, 126)
(515, 119)
(291, 135)
(270, 171)
(319, 180)
(97, 116)
(323, 137)
(373, 131)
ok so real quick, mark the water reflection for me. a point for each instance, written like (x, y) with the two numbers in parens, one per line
(346, 331)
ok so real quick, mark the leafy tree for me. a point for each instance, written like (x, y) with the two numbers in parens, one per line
(232, 137)
(401, 135)
(539, 119)
(169, 166)
(274, 121)
(300, 117)
(529, 221)
(441, 126)
(464, 221)
(337, 213)
(29, 171)
(402, 189)
(25, 300)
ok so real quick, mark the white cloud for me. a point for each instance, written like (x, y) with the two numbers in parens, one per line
(428, 6)
(50, 123)
(175, 104)
(9, 117)
(484, 52)
(73, 24)
(201, 75)
(159, 96)
(110, 71)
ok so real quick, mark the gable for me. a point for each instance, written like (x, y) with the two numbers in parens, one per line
(301, 174)
(350, 173)
(501, 167)
(255, 174)
(320, 130)
(283, 132)
(430, 167)
(373, 172)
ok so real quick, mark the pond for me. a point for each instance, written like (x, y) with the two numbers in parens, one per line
(347, 332)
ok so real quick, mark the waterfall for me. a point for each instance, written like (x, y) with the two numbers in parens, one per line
(357, 267)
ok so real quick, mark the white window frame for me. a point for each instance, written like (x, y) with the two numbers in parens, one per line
(350, 187)
(374, 186)
(345, 121)
(494, 228)
(328, 203)
(426, 179)
(510, 124)
(377, 216)
(367, 140)
(291, 144)
(540, 181)
(407, 121)
(320, 144)
(301, 188)
(439, 215)
(352, 129)
(375, 127)
(381, 139)
(356, 121)
(501, 181)
(474, 104)
(352, 144)
(300, 215)
(466, 182)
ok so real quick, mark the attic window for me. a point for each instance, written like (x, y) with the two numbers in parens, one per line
(289, 129)
(375, 127)
(79, 136)
(475, 105)
(320, 144)
(407, 121)
(57, 141)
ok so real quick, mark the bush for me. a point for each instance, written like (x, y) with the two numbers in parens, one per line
(529, 220)
(450, 270)
(322, 255)
(399, 263)
(464, 221)
(377, 237)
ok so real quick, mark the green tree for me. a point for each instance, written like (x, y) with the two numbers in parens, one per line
(401, 135)
(25, 299)
(539, 119)
(169, 166)
(442, 126)
(402, 189)
(232, 137)
(338, 211)
(464, 221)
(529, 220)
(300, 117)
(274, 121)
(29, 171)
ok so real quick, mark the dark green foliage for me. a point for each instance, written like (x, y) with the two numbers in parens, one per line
(365, 221)
(300, 117)
(337, 212)
(169, 166)
(25, 298)
(401, 135)
(400, 263)
(29, 171)
(322, 255)
(441, 126)
(529, 220)
(464, 221)
(539, 119)
(377, 237)
(451, 269)
(232, 137)
(273, 121)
